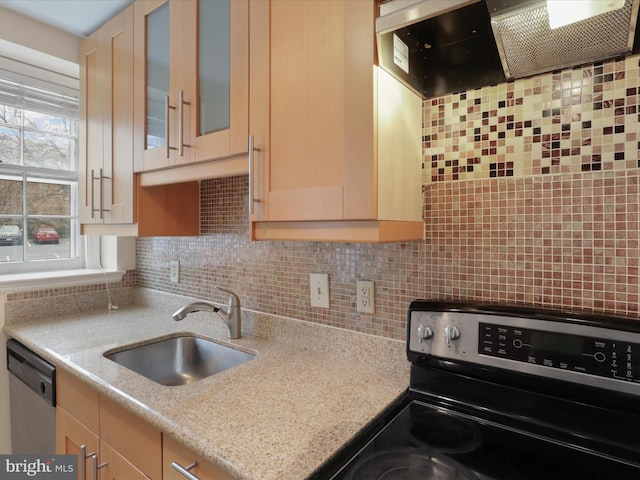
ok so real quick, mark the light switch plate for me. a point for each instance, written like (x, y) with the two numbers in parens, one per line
(319, 289)
(174, 271)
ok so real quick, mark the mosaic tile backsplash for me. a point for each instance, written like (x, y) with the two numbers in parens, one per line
(531, 197)
(578, 120)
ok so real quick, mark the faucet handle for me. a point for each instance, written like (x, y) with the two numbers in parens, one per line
(234, 300)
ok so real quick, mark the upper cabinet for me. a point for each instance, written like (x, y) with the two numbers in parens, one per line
(106, 123)
(112, 201)
(340, 141)
(191, 92)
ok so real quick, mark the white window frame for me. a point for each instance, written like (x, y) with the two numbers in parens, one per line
(102, 261)
(25, 174)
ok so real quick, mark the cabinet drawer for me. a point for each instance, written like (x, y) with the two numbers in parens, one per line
(132, 437)
(78, 399)
(175, 452)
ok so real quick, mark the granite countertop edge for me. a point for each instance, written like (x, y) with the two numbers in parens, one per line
(279, 416)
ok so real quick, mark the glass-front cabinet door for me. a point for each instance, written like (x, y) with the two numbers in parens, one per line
(222, 78)
(192, 81)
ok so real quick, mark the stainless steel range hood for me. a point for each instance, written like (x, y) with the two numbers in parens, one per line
(444, 46)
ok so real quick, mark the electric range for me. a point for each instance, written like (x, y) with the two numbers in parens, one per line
(507, 393)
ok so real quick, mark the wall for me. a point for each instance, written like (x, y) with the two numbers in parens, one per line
(531, 197)
(26, 33)
(273, 277)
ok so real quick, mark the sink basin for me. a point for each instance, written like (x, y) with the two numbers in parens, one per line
(179, 360)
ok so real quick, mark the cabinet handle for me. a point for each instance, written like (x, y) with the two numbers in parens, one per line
(83, 448)
(100, 179)
(184, 471)
(93, 208)
(252, 149)
(102, 209)
(84, 455)
(181, 104)
(95, 466)
(167, 107)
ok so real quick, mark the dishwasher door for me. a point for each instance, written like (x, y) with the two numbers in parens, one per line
(32, 400)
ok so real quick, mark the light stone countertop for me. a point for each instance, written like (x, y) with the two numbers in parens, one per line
(279, 416)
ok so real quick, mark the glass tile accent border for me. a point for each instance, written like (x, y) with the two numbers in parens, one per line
(576, 120)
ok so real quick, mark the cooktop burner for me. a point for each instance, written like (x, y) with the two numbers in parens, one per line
(408, 464)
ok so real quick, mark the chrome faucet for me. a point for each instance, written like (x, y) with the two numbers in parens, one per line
(231, 317)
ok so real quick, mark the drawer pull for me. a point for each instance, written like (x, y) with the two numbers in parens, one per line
(184, 471)
(96, 467)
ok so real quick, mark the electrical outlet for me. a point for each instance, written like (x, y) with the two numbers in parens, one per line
(319, 289)
(174, 271)
(365, 297)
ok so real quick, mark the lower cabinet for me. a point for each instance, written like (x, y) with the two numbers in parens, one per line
(116, 444)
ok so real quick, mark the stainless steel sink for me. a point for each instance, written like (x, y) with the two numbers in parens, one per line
(179, 360)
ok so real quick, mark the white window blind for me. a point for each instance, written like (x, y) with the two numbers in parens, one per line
(37, 96)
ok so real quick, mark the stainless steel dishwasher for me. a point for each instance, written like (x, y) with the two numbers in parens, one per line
(32, 394)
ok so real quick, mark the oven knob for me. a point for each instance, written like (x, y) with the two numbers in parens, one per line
(451, 332)
(424, 332)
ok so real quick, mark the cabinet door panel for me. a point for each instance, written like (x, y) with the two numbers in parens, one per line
(106, 123)
(321, 120)
(91, 126)
(116, 467)
(198, 51)
(133, 438)
(71, 436)
(222, 79)
(78, 399)
(116, 47)
(151, 71)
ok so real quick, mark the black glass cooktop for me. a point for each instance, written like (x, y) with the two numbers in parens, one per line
(427, 442)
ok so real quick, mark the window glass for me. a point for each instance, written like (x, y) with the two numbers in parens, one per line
(48, 198)
(157, 75)
(48, 238)
(47, 151)
(11, 240)
(214, 66)
(49, 123)
(39, 228)
(10, 196)
(9, 145)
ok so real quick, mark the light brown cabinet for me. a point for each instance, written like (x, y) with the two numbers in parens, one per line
(112, 200)
(125, 447)
(340, 141)
(191, 91)
(106, 138)
(115, 443)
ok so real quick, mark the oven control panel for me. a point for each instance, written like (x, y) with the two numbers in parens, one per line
(567, 350)
(591, 355)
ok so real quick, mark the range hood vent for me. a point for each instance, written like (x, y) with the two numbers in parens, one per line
(442, 46)
(528, 45)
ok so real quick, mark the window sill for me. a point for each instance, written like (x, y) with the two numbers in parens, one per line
(69, 278)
